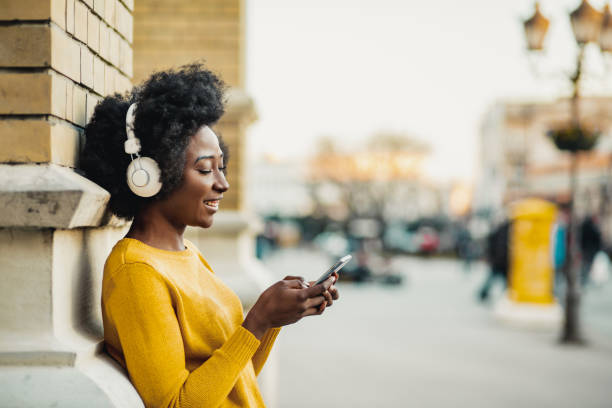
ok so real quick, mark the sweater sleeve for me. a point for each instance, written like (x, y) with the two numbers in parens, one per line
(262, 353)
(140, 306)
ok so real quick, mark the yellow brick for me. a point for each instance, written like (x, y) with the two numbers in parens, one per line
(109, 79)
(79, 106)
(113, 48)
(104, 40)
(69, 101)
(38, 141)
(58, 12)
(122, 83)
(99, 7)
(129, 24)
(123, 19)
(65, 54)
(80, 21)
(25, 10)
(70, 16)
(99, 75)
(58, 96)
(129, 4)
(126, 58)
(86, 67)
(93, 31)
(109, 12)
(25, 46)
(25, 141)
(25, 93)
(64, 144)
(92, 101)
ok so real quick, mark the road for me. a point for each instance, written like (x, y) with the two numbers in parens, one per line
(429, 343)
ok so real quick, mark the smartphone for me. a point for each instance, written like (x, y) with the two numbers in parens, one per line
(335, 268)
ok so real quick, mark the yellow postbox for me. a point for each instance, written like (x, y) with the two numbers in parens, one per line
(531, 275)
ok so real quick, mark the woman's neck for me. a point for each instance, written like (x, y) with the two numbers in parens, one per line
(154, 229)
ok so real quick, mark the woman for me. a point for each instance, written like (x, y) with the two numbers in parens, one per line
(176, 328)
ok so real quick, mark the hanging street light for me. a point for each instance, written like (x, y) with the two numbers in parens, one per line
(586, 23)
(536, 28)
(605, 36)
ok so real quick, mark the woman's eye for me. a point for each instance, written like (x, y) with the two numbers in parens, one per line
(223, 169)
(205, 171)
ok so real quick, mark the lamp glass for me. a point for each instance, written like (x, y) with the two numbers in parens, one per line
(605, 39)
(535, 36)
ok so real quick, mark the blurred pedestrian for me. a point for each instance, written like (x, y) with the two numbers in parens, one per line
(497, 257)
(590, 244)
(559, 248)
(465, 247)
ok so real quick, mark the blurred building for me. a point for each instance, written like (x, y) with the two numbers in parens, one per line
(518, 160)
(279, 187)
(385, 183)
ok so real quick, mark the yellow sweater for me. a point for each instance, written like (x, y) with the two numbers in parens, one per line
(177, 330)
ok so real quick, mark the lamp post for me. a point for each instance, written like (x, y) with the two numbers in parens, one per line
(590, 26)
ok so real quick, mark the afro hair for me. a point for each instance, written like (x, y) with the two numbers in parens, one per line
(171, 106)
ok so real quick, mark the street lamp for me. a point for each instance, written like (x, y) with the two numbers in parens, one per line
(586, 23)
(605, 36)
(536, 28)
(589, 26)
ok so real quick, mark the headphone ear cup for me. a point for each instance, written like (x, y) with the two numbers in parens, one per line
(143, 176)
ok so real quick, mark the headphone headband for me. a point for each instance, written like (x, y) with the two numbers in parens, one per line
(143, 173)
(132, 144)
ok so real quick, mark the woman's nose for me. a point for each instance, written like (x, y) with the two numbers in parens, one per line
(221, 183)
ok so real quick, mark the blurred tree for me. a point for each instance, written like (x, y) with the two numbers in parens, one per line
(371, 182)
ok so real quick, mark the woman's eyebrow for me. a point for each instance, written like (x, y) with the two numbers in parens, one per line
(206, 157)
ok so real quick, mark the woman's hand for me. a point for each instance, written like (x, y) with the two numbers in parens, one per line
(330, 294)
(286, 302)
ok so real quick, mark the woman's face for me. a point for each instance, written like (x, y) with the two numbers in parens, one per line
(197, 198)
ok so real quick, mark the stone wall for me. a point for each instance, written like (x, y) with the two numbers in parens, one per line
(58, 58)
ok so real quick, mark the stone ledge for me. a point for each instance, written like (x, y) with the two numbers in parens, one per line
(99, 382)
(49, 196)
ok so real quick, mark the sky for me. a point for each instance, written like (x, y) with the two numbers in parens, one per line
(430, 69)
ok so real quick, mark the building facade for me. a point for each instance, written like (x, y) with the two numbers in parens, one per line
(518, 160)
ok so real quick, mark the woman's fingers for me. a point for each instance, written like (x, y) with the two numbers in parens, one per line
(336, 276)
(314, 302)
(320, 288)
(314, 310)
(295, 284)
(334, 292)
(328, 297)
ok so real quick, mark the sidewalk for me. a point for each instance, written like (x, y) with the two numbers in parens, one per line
(429, 344)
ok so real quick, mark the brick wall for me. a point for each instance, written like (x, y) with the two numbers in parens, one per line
(172, 33)
(58, 58)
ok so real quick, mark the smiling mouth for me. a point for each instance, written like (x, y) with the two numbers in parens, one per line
(212, 204)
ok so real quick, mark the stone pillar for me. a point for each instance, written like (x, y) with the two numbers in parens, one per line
(58, 58)
(169, 34)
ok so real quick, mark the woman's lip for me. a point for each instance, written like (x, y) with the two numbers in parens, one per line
(213, 207)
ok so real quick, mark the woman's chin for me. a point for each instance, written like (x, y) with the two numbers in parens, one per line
(205, 223)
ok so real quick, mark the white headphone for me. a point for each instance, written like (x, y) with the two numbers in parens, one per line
(143, 172)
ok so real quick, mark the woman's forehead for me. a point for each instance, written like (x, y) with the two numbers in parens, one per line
(204, 142)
